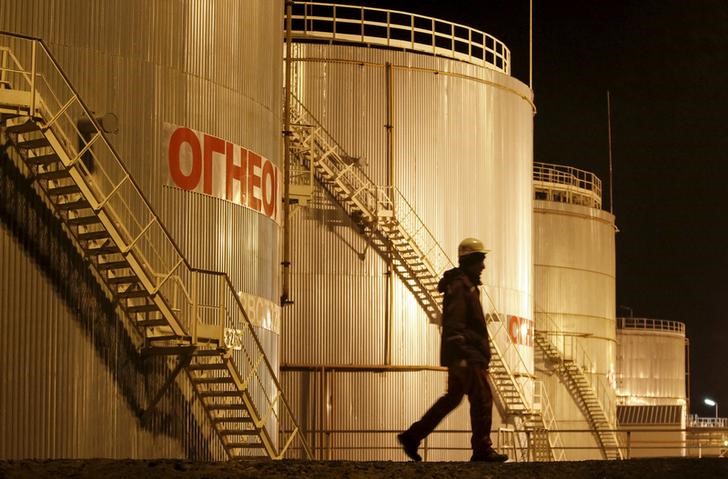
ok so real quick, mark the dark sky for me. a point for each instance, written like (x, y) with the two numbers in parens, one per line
(665, 64)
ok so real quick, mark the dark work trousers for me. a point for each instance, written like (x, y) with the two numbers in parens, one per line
(470, 380)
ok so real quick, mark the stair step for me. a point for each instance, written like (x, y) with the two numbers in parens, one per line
(79, 204)
(24, 127)
(110, 249)
(93, 235)
(220, 394)
(134, 293)
(142, 308)
(164, 337)
(238, 419)
(44, 160)
(204, 380)
(244, 445)
(207, 367)
(209, 352)
(150, 323)
(122, 279)
(83, 220)
(52, 174)
(34, 143)
(238, 432)
(64, 190)
(113, 265)
(227, 407)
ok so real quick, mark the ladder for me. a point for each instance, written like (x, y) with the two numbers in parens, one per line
(171, 308)
(584, 394)
(388, 221)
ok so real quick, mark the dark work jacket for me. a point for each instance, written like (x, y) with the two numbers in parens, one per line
(464, 331)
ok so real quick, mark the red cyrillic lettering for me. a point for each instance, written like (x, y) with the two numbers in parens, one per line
(235, 172)
(253, 181)
(212, 145)
(180, 136)
(268, 190)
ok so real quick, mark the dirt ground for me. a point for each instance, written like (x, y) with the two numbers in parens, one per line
(669, 468)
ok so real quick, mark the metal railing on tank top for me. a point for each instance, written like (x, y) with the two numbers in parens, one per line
(400, 30)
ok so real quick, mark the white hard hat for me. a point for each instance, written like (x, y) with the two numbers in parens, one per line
(470, 246)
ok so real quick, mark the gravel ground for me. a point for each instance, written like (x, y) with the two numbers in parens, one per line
(668, 468)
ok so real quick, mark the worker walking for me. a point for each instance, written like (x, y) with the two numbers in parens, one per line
(465, 351)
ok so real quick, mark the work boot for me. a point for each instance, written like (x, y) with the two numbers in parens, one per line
(489, 455)
(409, 445)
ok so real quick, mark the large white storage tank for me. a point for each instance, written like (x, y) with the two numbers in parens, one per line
(574, 288)
(453, 134)
(200, 66)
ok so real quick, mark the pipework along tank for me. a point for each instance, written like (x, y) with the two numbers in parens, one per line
(212, 70)
(574, 286)
(453, 134)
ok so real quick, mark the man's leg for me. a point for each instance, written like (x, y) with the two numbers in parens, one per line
(410, 439)
(481, 415)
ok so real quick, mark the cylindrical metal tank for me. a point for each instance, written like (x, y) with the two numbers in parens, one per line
(204, 67)
(574, 284)
(651, 384)
(651, 362)
(455, 138)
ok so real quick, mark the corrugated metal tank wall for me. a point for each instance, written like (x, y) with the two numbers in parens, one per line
(463, 158)
(574, 291)
(575, 277)
(651, 364)
(72, 384)
(202, 64)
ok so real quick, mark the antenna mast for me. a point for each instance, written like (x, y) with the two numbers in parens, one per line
(609, 130)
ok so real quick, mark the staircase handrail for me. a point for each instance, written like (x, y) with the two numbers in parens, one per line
(433, 253)
(389, 198)
(558, 450)
(242, 316)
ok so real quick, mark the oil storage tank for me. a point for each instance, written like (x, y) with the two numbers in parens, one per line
(428, 111)
(195, 94)
(574, 291)
(651, 385)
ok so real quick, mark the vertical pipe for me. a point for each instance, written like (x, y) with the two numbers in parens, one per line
(34, 52)
(322, 412)
(195, 312)
(687, 376)
(286, 263)
(389, 288)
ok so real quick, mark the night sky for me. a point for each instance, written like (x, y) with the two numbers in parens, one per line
(665, 64)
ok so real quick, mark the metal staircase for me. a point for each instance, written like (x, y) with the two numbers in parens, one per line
(172, 308)
(395, 230)
(584, 394)
(382, 214)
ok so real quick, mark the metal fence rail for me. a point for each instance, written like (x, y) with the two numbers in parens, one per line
(651, 324)
(566, 184)
(395, 29)
(653, 441)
